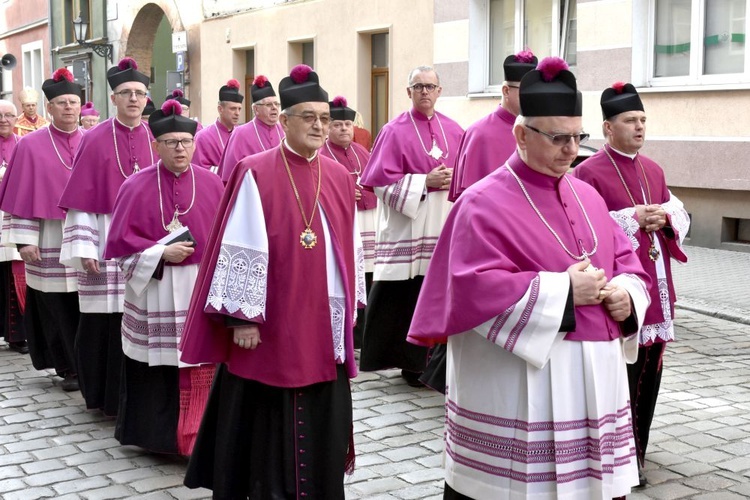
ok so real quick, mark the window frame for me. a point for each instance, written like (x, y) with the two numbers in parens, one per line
(695, 76)
(479, 44)
(30, 77)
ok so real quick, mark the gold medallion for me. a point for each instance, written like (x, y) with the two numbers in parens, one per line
(308, 239)
(653, 253)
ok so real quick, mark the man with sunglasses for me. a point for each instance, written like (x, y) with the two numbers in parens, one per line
(160, 224)
(29, 196)
(211, 142)
(487, 143)
(274, 304)
(655, 222)
(262, 133)
(110, 153)
(539, 296)
(410, 171)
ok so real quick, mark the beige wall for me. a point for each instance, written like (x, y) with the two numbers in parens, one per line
(702, 145)
(340, 55)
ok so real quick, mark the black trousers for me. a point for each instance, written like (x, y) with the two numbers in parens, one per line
(99, 356)
(644, 378)
(149, 406)
(451, 494)
(51, 322)
(389, 312)
(262, 442)
(11, 318)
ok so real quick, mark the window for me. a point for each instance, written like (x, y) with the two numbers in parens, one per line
(503, 27)
(379, 97)
(699, 41)
(302, 52)
(71, 10)
(33, 68)
(249, 77)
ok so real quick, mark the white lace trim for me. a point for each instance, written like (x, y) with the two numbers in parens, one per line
(338, 314)
(361, 293)
(625, 218)
(678, 216)
(239, 281)
(664, 331)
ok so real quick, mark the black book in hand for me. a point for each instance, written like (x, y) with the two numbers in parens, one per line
(182, 234)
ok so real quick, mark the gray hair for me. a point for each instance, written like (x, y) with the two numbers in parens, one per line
(524, 120)
(4, 102)
(422, 69)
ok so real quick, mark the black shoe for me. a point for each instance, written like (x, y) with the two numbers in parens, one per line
(70, 383)
(20, 347)
(412, 378)
(641, 479)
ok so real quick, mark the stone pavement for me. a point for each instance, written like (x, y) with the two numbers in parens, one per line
(51, 447)
(714, 282)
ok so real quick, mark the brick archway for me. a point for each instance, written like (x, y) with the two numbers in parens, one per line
(140, 42)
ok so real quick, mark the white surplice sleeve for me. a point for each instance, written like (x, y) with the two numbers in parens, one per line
(529, 328)
(239, 284)
(405, 195)
(81, 239)
(139, 268)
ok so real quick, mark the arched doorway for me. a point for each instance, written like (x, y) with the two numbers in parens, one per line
(150, 44)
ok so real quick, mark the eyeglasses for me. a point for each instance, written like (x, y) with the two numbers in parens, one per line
(172, 143)
(270, 105)
(311, 118)
(8, 116)
(512, 86)
(419, 87)
(561, 139)
(127, 94)
(67, 102)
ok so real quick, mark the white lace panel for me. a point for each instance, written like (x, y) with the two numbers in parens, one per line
(625, 218)
(338, 314)
(678, 216)
(239, 281)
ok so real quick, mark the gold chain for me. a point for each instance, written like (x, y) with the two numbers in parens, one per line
(296, 193)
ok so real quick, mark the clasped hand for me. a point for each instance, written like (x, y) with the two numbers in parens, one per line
(440, 177)
(651, 217)
(592, 288)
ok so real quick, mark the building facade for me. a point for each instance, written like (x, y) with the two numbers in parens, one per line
(136, 28)
(24, 35)
(687, 58)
